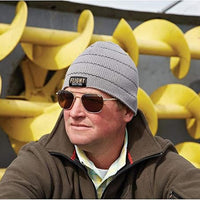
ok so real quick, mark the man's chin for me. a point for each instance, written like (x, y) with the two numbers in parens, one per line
(79, 141)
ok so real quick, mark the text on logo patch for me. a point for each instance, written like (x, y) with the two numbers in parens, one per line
(77, 81)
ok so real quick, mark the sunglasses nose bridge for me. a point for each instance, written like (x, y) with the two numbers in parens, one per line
(77, 104)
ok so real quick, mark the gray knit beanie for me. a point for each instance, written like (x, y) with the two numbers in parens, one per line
(107, 67)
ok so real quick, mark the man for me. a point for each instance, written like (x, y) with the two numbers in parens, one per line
(101, 146)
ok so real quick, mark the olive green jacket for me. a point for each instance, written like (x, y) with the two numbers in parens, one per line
(49, 168)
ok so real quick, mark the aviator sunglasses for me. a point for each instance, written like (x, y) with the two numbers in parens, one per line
(93, 103)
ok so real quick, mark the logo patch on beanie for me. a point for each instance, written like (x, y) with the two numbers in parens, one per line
(77, 81)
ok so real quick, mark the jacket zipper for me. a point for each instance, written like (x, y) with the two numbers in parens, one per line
(174, 195)
(122, 171)
(130, 166)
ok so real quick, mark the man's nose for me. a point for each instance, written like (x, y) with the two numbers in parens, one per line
(77, 109)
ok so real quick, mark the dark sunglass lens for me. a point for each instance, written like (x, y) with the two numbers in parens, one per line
(92, 102)
(65, 99)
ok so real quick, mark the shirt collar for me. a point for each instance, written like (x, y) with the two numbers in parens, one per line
(114, 168)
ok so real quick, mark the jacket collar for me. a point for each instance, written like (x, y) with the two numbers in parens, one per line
(141, 143)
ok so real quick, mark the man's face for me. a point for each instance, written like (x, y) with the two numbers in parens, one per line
(86, 129)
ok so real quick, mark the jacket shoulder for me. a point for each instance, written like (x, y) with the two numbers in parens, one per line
(165, 144)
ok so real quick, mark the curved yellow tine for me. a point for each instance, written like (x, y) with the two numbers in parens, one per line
(177, 101)
(193, 39)
(2, 171)
(146, 105)
(124, 34)
(10, 38)
(60, 57)
(190, 151)
(124, 37)
(26, 129)
(164, 38)
(193, 127)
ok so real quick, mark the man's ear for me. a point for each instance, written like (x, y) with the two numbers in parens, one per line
(128, 115)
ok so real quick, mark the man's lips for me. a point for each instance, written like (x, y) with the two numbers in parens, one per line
(79, 126)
